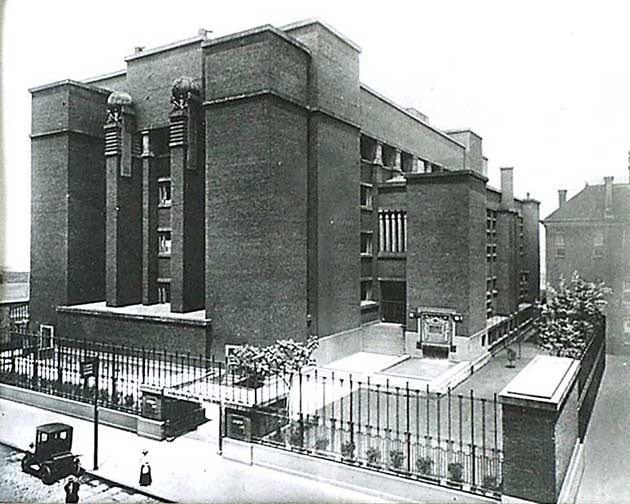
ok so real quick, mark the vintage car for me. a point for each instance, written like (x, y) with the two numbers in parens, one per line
(52, 458)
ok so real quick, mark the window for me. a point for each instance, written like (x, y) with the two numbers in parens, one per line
(366, 291)
(521, 243)
(560, 247)
(164, 190)
(366, 243)
(392, 230)
(523, 286)
(164, 292)
(164, 242)
(626, 326)
(598, 244)
(625, 296)
(63, 435)
(366, 195)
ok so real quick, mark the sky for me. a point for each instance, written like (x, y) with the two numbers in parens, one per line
(545, 84)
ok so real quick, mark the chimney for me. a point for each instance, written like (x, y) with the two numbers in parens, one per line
(507, 188)
(608, 202)
(562, 197)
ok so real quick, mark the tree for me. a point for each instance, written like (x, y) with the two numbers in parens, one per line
(569, 317)
(284, 358)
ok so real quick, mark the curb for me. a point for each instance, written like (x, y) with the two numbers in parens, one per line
(95, 474)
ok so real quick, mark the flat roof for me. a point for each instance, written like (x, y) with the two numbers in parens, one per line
(310, 21)
(160, 312)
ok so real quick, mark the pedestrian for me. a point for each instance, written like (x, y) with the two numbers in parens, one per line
(72, 489)
(145, 469)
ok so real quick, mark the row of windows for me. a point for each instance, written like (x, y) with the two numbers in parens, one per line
(597, 250)
(523, 286)
(491, 235)
(491, 294)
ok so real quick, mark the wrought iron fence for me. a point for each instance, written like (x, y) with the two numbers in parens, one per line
(444, 437)
(512, 326)
(52, 365)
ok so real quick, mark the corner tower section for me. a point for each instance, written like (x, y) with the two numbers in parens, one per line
(68, 198)
(333, 178)
(255, 109)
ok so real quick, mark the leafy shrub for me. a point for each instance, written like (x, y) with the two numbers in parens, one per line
(490, 482)
(396, 457)
(456, 471)
(424, 465)
(347, 450)
(321, 443)
(129, 401)
(373, 456)
(295, 435)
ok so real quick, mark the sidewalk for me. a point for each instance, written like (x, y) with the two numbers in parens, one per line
(186, 469)
(607, 465)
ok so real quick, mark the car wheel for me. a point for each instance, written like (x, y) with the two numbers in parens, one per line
(26, 462)
(47, 475)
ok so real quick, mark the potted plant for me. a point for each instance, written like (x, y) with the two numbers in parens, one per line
(424, 465)
(455, 472)
(321, 443)
(373, 457)
(490, 483)
(347, 451)
(397, 458)
(296, 435)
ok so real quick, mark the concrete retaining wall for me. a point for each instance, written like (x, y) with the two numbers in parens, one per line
(354, 478)
(84, 411)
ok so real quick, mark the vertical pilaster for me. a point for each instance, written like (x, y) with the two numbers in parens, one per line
(123, 265)
(187, 258)
(149, 222)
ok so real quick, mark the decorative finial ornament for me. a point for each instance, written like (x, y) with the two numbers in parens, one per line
(115, 103)
(183, 90)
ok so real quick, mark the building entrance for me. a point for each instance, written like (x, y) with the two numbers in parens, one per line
(394, 301)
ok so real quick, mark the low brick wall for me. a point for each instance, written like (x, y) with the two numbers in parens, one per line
(84, 411)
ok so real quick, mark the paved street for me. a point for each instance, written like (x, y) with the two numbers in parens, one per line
(17, 486)
(185, 470)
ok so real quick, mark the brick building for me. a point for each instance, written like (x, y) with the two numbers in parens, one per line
(590, 234)
(248, 188)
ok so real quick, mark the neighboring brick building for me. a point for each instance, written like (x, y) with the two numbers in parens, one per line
(590, 234)
(249, 188)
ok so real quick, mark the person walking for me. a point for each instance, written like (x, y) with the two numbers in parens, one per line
(145, 469)
(72, 489)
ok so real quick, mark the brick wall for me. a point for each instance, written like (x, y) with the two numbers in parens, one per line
(529, 470)
(446, 243)
(256, 220)
(150, 77)
(67, 190)
(381, 120)
(169, 336)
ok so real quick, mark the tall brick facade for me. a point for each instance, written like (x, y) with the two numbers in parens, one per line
(252, 184)
(590, 234)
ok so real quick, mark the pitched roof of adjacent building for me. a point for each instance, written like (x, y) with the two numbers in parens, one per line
(589, 204)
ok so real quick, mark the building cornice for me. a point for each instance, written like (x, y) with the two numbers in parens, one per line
(310, 21)
(197, 39)
(110, 75)
(62, 131)
(383, 98)
(68, 82)
(283, 97)
(254, 31)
